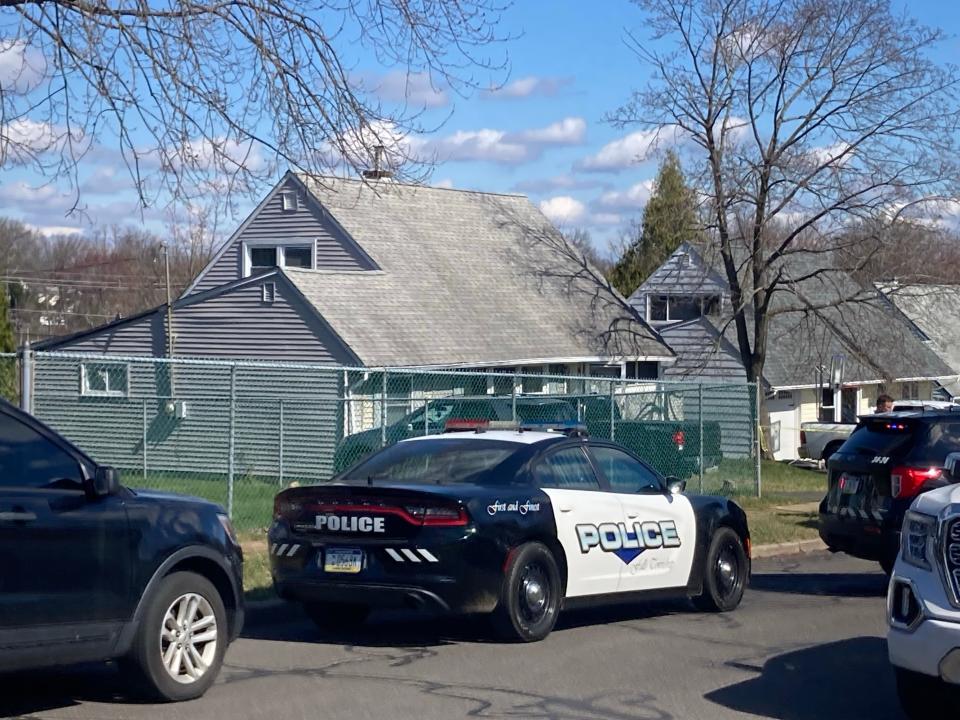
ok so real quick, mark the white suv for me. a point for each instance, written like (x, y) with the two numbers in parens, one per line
(923, 604)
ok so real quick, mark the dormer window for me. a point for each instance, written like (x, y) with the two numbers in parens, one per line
(262, 258)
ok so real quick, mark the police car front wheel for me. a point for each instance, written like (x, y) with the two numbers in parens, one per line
(725, 573)
(529, 596)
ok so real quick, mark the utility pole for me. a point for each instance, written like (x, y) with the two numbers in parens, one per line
(166, 268)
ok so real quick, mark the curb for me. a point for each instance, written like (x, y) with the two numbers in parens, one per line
(797, 547)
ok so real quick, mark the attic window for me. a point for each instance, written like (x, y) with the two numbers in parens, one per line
(289, 201)
(269, 292)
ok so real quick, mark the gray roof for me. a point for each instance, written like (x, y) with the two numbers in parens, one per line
(683, 272)
(818, 312)
(464, 278)
(702, 352)
(935, 311)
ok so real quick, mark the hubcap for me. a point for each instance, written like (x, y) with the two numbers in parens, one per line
(188, 638)
(534, 593)
(728, 571)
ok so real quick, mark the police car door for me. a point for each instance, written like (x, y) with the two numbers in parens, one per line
(658, 533)
(579, 505)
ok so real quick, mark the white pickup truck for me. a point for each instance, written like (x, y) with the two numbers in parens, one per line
(820, 440)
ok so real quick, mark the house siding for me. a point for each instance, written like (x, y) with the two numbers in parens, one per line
(143, 336)
(333, 249)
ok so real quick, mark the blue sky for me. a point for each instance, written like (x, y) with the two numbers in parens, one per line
(543, 135)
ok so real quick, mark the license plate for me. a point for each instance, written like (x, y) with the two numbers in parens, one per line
(343, 560)
(849, 485)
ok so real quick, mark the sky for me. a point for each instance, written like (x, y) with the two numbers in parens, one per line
(543, 133)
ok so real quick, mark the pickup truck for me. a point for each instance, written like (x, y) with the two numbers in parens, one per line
(820, 440)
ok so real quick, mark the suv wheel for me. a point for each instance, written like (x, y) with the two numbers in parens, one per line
(182, 638)
(529, 596)
(725, 574)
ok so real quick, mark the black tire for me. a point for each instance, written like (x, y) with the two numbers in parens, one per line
(530, 595)
(331, 616)
(929, 698)
(146, 663)
(724, 574)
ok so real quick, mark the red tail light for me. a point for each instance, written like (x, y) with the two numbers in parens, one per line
(905, 482)
(679, 438)
(438, 516)
(421, 515)
(803, 437)
(283, 507)
(464, 424)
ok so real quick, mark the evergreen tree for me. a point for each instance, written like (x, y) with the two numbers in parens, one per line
(669, 219)
(8, 344)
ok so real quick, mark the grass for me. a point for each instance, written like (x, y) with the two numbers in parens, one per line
(771, 520)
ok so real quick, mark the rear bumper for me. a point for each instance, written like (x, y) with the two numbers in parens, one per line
(866, 539)
(804, 452)
(376, 595)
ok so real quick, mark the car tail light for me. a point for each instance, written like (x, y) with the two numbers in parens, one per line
(434, 516)
(678, 439)
(905, 482)
(803, 437)
(284, 507)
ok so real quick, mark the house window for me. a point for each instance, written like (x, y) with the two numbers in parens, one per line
(784, 395)
(289, 201)
(683, 308)
(104, 379)
(262, 258)
(910, 391)
(269, 292)
(299, 256)
(658, 309)
(642, 370)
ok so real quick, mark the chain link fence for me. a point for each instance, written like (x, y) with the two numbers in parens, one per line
(236, 432)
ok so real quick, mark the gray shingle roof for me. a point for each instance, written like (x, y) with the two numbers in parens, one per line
(935, 311)
(820, 313)
(464, 278)
(701, 353)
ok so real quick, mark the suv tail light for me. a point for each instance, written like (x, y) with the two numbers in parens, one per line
(905, 482)
(437, 516)
(803, 437)
(678, 439)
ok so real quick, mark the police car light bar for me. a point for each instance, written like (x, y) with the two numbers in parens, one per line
(566, 427)
(462, 425)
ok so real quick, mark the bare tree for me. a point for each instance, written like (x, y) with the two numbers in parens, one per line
(202, 97)
(800, 118)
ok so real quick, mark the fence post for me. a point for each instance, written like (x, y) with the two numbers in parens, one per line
(281, 444)
(26, 379)
(426, 416)
(612, 406)
(144, 439)
(700, 415)
(759, 432)
(383, 411)
(230, 449)
(513, 397)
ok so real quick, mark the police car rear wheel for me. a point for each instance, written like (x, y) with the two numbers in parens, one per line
(328, 615)
(725, 574)
(529, 596)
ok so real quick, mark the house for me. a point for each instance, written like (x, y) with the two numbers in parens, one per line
(382, 274)
(820, 321)
(933, 310)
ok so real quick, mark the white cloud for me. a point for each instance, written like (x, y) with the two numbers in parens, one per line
(446, 183)
(569, 131)
(633, 198)
(835, 155)
(629, 150)
(51, 230)
(604, 218)
(21, 67)
(506, 148)
(530, 86)
(563, 209)
(558, 182)
(411, 89)
(22, 139)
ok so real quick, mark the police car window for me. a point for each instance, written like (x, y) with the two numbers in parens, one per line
(27, 459)
(624, 473)
(439, 462)
(566, 469)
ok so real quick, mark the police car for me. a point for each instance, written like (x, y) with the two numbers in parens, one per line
(923, 603)
(519, 523)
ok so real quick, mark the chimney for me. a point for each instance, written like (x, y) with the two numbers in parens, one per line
(377, 173)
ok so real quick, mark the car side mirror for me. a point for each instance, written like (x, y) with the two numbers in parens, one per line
(106, 481)
(952, 465)
(675, 485)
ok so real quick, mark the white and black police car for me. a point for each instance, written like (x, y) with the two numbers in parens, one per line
(518, 523)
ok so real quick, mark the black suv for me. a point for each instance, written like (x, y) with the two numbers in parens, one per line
(91, 571)
(886, 462)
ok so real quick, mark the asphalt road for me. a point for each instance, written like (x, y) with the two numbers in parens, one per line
(806, 644)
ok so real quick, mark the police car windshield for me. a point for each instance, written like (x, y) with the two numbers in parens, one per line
(438, 462)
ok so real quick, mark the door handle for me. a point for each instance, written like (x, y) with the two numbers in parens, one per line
(633, 515)
(17, 516)
(565, 508)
